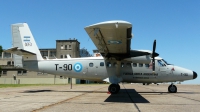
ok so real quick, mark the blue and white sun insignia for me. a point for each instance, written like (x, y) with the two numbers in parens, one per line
(78, 67)
(26, 38)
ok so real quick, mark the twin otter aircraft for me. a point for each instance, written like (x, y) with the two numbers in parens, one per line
(118, 62)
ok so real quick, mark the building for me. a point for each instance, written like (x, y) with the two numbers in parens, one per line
(9, 74)
(70, 47)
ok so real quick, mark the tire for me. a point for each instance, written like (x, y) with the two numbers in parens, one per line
(118, 88)
(114, 88)
(172, 89)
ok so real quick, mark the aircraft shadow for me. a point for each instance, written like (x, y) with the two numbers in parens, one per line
(37, 91)
(127, 96)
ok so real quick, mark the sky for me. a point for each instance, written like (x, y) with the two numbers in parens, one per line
(175, 24)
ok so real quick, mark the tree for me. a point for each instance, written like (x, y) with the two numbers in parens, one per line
(1, 49)
(0, 70)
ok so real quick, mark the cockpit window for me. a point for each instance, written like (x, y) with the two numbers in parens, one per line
(166, 62)
(161, 63)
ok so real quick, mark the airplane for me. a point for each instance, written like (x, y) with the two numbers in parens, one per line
(118, 62)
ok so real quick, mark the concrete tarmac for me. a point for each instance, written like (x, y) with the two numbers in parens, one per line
(94, 98)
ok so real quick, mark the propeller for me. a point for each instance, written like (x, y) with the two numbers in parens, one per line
(154, 54)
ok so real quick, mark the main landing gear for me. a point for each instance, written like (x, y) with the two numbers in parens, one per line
(114, 88)
(172, 88)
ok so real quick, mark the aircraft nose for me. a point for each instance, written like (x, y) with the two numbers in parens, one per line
(194, 75)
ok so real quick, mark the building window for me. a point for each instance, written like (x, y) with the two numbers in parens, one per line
(65, 47)
(91, 64)
(19, 72)
(9, 63)
(7, 55)
(52, 53)
(70, 47)
(69, 80)
(24, 72)
(61, 56)
(61, 77)
(122, 65)
(61, 47)
(44, 53)
(4, 73)
(41, 73)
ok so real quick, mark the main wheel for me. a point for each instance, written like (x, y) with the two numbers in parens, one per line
(114, 88)
(172, 89)
(118, 87)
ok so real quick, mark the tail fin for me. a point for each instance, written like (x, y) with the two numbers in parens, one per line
(24, 43)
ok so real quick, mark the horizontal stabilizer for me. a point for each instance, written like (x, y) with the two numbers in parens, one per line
(20, 52)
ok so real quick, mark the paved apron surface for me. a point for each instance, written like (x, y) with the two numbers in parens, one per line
(94, 98)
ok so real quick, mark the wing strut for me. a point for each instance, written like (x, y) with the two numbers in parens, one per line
(118, 68)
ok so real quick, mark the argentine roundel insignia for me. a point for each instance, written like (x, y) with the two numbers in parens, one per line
(78, 67)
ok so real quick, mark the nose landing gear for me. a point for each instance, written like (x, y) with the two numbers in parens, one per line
(114, 88)
(172, 88)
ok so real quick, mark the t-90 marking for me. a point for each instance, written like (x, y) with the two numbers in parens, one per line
(65, 66)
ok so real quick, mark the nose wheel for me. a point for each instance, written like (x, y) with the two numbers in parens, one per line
(114, 88)
(172, 88)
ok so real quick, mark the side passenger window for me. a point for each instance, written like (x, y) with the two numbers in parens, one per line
(91, 64)
(101, 63)
(140, 65)
(122, 65)
(115, 64)
(128, 64)
(134, 64)
(147, 65)
(108, 64)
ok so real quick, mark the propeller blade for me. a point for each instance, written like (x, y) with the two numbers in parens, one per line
(153, 55)
(154, 48)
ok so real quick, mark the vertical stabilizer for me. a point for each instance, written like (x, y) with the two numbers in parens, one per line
(24, 40)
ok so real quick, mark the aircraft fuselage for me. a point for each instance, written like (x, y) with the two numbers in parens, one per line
(96, 68)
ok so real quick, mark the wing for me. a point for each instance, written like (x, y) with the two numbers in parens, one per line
(112, 38)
